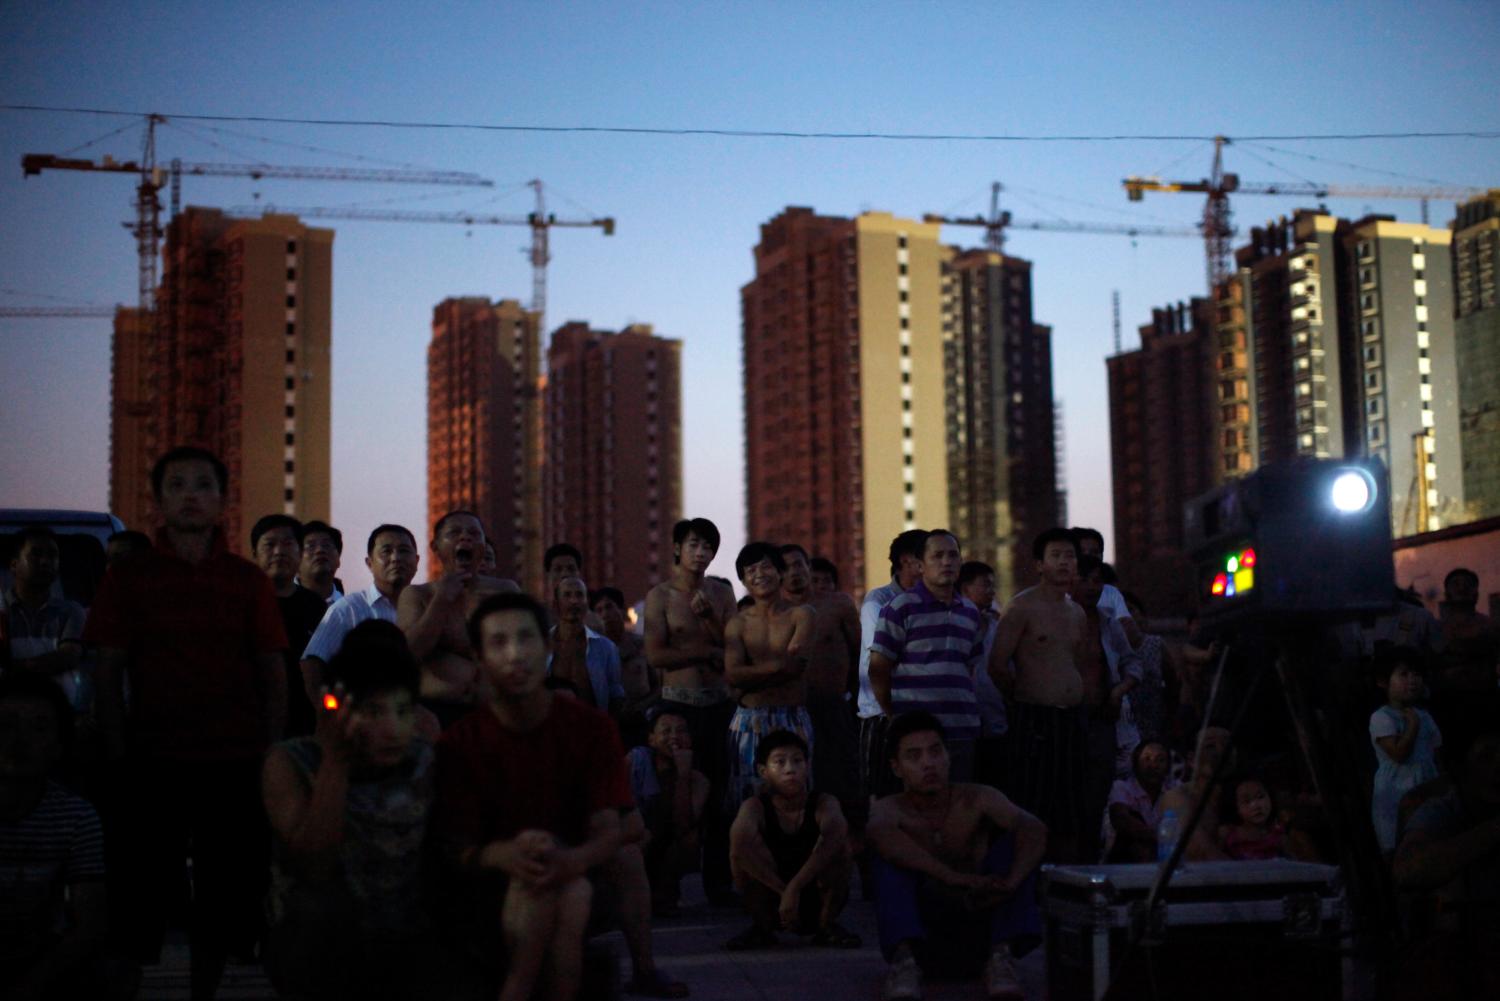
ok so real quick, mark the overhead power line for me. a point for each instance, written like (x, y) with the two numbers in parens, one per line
(748, 133)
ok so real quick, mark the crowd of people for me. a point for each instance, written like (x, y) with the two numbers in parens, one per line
(447, 790)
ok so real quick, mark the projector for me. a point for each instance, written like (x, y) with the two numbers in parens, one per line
(1296, 539)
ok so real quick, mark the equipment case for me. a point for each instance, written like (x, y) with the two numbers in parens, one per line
(1268, 931)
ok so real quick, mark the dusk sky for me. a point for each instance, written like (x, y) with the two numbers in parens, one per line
(688, 207)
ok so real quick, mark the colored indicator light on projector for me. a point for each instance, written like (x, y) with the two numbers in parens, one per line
(1247, 558)
(1233, 564)
(1220, 583)
(331, 702)
(1244, 580)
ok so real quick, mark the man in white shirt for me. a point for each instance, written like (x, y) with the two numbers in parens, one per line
(392, 559)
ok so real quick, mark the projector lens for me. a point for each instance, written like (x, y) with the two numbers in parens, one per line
(1352, 491)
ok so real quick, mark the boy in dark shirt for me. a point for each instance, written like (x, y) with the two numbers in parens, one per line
(789, 850)
(530, 792)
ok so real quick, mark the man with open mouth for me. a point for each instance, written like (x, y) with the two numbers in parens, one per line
(433, 616)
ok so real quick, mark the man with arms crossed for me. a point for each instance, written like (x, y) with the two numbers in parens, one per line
(951, 853)
(684, 631)
(1034, 663)
(764, 660)
(432, 615)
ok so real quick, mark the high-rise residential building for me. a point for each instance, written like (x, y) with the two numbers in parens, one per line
(238, 361)
(1403, 376)
(1476, 255)
(1164, 448)
(484, 426)
(613, 470)
(1002, 487)
(130, 447)
(852, 408)
(1280, 354)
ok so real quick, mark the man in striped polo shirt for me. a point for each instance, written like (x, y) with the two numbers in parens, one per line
(927, 646)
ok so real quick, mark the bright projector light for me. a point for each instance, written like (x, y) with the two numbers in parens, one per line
(1352, 492)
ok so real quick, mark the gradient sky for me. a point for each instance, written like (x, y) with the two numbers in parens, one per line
(688, 207)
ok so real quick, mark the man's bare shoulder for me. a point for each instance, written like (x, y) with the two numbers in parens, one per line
(415, 595)
(834, 603)
(496, 585)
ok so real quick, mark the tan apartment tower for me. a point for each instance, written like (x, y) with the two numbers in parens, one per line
(238, 361)
(1476, 289)
(613, 469)
(1164, 449)
(1002, 483)
(881, 377)
(484, 426)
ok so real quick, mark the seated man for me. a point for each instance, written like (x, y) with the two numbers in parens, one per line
(789, 851)
(530, 791)
(349, 808)
(670, 796)
(52, 908)
(949, 856)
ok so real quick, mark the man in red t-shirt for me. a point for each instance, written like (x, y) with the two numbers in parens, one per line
(530, 791)
(197, 633)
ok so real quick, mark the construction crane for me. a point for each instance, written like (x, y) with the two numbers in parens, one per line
(58, 311)
(997, 222)
(540, 221)
(1218, 186)
(153, 177)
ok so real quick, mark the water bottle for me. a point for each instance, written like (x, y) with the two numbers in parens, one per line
(1168, 830)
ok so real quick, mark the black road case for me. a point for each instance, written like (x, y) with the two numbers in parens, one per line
(1267, 931)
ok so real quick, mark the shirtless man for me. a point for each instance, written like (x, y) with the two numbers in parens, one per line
(1110, 670)
(832, 675)
(765, 659)
(433, 616)
(1034, 663)
(684, 632)
(948, 854)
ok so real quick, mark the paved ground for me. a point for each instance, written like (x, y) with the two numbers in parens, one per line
(691, 948)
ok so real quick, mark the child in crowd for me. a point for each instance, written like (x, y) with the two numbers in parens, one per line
(1406, 739)
(1258, 832)
(349, 809)
(52, 905)
(670, 795)
(1132, 814)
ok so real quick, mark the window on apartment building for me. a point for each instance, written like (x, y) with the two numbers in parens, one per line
(291, 246)
(901, 269)
(291, 330)
(291, 274)
(910, 488)
(291, 411)
(905, 295)
(906, 405)
(291, 356)
(1417, 275)
(291, 301)
(289, 465)
(291, 438)
(901, 242)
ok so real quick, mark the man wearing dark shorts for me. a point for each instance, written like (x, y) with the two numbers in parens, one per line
(1034, 663)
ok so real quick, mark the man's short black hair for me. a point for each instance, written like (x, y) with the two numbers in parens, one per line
(822, 564)
(656, 712)
(558, 549)
(1051, 535)
(905, 725)
(509, 601)
(437, 529)
(939, 531)
(25, 685)
(374, 658)
(972, 571)
(912, 542)
(1460, 572)
(383, 529)
(271, 521)
(775, 741)
(188, 453)
(788, 548)
(612, 593)
(323, 528)
(701, 527)
(1080, 534)
(754, 553)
